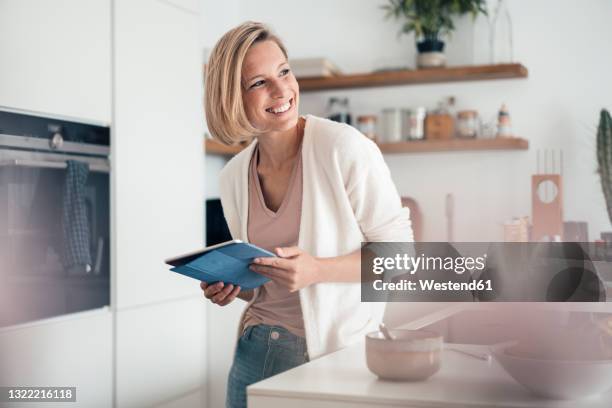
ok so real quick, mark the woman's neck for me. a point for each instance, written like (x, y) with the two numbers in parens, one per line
(278, 149)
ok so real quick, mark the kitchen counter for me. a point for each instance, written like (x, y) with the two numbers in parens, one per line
(342, 379)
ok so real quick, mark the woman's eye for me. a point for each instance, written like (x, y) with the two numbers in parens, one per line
(258, 83)
(284, 71)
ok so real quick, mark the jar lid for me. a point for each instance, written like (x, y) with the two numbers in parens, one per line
(466, 114)
(417, 111)
(366, 118)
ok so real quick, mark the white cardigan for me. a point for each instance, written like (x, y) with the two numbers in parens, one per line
(348, 197)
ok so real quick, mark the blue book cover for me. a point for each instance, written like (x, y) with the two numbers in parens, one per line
(227, 262)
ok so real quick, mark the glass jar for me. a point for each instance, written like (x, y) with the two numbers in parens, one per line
(391, 125)
(367, 125)
(338, 110)
(413, 125)
(501, 48)
(467, 124)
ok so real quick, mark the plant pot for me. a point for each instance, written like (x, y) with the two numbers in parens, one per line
(430, 46)
(430, 54)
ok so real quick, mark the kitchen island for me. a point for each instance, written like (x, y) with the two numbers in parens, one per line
(342, 380)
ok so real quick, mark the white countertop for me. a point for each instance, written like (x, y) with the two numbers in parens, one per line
(342, 379)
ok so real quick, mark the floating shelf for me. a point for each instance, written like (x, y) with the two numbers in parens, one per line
(453, 145)
(414, 77)
(417, 146)
(214, 147)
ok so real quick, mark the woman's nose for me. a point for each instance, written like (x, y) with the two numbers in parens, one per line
(278, 89)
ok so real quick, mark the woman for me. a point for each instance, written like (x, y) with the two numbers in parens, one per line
(310, 190)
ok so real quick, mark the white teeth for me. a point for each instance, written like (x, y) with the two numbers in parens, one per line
(283, 108)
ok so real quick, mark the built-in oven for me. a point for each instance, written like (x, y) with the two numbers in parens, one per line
(54, 216)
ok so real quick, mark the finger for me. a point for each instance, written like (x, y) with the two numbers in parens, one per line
(213, 289)
(288, 252)
(279, 263)
(230, 298)
(269, 271)
(223, 293)
(203, 285)
(277, 275)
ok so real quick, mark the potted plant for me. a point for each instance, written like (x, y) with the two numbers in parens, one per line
(431, 20)
(604, 157)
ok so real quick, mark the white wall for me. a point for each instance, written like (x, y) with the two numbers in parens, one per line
(216, 19)
(563, 44)
(555, 108)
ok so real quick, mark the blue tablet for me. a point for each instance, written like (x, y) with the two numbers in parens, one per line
(227, 262)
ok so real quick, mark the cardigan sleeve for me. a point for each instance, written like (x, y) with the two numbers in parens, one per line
(233, 190)
(373, 195)
(228, 193)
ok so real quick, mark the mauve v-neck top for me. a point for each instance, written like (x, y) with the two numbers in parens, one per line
(275, 305)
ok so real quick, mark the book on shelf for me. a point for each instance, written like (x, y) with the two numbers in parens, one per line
(313, 68)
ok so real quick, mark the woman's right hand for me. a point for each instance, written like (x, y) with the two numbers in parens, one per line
(220, 293)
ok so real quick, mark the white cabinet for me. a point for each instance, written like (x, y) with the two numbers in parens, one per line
(160, 352)
(158, 179)
(221, 342)
(56, 57)
(158, 161)
(70, 351)
(189, 6)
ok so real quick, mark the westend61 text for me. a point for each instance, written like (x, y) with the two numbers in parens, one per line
(429, 284)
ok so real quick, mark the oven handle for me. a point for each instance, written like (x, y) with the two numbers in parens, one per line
(95, 167)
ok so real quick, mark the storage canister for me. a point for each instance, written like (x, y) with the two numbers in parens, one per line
(391, 125)
(413, 123)
(338, 110)
(367, 125)
(439, 126)
(467, 123)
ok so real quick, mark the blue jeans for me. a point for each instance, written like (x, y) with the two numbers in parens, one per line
(262, 351)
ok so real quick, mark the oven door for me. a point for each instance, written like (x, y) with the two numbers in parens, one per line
(35, 282)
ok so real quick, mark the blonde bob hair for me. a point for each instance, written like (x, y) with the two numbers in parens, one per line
(225, 114)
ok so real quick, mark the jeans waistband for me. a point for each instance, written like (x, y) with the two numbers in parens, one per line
(278, 334)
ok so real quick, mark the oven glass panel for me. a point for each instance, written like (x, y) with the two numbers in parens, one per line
(36, 283)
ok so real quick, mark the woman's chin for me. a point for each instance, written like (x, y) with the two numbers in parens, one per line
(280, 124)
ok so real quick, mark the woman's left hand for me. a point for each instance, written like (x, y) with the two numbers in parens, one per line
(294, 269)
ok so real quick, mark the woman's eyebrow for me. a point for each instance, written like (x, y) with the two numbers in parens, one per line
(258, 75)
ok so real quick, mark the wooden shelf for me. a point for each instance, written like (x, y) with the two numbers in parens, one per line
(453, 145)
(214, 147)
(413, 77)
(417, 146)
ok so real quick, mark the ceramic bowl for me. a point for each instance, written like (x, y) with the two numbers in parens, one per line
(413, 355)
(555, 378)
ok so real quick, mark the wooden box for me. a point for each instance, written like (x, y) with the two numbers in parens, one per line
(546, 206)
(439, 126)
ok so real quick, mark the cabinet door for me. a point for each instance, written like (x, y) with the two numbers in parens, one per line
(189, 6)
(158, 160)
(160, 353)
(70, 351)
(56, 57)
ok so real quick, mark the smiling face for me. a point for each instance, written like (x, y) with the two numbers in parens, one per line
(270, 92)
